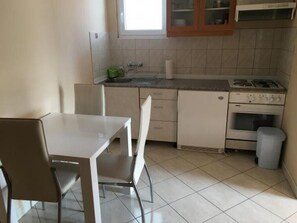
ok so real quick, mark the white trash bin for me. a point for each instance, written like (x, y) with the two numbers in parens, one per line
(269, 145)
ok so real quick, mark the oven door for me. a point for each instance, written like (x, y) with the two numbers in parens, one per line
(245, 119)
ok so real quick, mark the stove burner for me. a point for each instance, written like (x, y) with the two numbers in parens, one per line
(256, 83)
(243, 84)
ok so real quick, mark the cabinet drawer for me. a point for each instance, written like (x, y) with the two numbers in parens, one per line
(163, 94)
(163, 110)
(162, 131)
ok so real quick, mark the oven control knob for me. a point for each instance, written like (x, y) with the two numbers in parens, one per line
(278, 99)
(271, 99)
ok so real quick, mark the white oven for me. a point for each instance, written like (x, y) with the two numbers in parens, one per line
(247, 112)
(245, 119)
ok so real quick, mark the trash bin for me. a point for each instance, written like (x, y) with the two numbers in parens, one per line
(269, 145)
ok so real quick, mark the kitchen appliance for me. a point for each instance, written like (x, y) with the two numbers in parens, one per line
(249, 110)
(253, 10)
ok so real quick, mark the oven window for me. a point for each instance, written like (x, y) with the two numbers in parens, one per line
(251, 122)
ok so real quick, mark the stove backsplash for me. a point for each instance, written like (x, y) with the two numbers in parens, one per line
(247, 52)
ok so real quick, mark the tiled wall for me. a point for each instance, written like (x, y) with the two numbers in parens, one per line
(100, 54)
(285, 50)
(266, 52)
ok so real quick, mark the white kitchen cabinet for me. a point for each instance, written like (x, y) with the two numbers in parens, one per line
(124, 102)
(202, 117)
(163, 113)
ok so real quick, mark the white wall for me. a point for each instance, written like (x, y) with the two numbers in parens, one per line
(44, 50)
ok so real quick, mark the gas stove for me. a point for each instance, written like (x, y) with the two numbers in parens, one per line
(254, 83)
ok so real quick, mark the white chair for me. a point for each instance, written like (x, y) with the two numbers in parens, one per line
(123, 170)
(28, 171)
(89, 99)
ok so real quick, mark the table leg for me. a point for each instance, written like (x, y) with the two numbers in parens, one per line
(90, 190)
(125, 140)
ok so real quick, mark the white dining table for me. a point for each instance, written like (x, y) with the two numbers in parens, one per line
(81, 139)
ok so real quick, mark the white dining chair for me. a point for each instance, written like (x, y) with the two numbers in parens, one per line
(26, 166)
(125, 171)
(89, 99)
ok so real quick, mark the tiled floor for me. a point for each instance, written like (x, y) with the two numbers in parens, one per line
(190, 187)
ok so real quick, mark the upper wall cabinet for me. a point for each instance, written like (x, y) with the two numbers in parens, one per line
(200, 17)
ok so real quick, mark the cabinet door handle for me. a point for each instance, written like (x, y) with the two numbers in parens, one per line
(158, 93)
(220, 97)
(158, 107)
(158, 128)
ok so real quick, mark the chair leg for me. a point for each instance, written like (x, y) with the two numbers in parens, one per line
(8, 216)
(140, 202)
(151, 185)
(103, 190)
(60, 210)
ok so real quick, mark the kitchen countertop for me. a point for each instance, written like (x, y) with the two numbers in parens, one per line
(187, 84)
(180, 84)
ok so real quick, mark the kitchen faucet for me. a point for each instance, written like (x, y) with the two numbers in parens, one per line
(131, 66)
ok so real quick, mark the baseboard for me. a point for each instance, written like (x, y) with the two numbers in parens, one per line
(290, 179)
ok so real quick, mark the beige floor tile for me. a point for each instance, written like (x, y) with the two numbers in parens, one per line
(195, 208)
(70, 206)
(246, 185)
(159, 155)
(157, 174)
(149, 162)
(109, 195)
(115, 212)
(249, 211)
(292, 219)
(30, 217)
(277, 203)
(172, 190)
(131, 202)
(197, 179)
(133, 221)
(269, 177)
(222, 196)
(177, 166)
(199, 159)
(183, 152)
(218, 156)
(240, 161)
(221, 218)
(220, 170)
(76, 218)
(163, 215)
(285, 188)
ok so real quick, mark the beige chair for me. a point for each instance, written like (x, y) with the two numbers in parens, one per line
(28, 171)
(123, 170)
(89, 99)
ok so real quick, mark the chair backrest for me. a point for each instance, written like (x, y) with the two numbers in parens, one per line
(145, 116)
(24, 156)
(89, 99)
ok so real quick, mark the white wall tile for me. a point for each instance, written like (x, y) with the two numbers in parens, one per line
(229, 58)
(199, 58)
(264, 38)
(184, 58)
(246, 58)
(214, 59)
(247, 38)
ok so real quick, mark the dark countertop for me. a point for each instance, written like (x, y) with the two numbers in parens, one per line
(180, 84)
(187, 84)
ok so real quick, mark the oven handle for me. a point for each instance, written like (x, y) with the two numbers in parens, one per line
(253, 108)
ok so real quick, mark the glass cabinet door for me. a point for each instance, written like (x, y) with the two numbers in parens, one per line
(216, 12)
(182, 13)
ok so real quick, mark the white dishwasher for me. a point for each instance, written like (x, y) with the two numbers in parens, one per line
(202, 118)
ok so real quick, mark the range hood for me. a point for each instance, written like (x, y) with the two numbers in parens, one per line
(251, 11)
